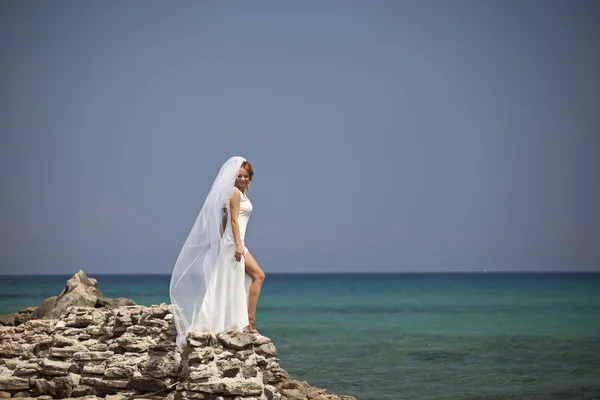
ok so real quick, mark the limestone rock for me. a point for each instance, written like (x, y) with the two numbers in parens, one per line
(116, 372)
(94, 369)
(260, 340)
(202, 372)
(61, 341)
(40, 327)
(202, 339)
(105, 383)
(207, 387)
(243, 388)
(116, 353)
(82, 390)
(235, 339)
(163, 366)
(58, 388)
(80, 291)
(133, 344)
(13, 383)
(201, 355)
(105, 302)
(66, 352)
(17, 318)
(147, 384)
(54, 368)
(11, 349)
(267, 350)
(293, 394)
(271, 393)
(7, 320)
(92, 355)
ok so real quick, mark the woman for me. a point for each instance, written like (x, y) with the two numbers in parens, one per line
(216, 282)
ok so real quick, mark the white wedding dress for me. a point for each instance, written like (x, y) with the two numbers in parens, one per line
(225, 304)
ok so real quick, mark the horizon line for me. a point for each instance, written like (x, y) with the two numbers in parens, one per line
(481, 272)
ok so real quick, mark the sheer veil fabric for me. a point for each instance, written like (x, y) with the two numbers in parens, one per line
(209, 288)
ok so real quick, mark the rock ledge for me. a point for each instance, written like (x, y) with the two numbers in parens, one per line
(130, 352)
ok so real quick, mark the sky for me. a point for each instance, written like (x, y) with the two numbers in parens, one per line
(386, 136)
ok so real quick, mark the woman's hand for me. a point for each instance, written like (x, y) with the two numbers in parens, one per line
(239, 252)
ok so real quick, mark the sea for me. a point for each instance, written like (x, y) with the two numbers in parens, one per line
(409, 336)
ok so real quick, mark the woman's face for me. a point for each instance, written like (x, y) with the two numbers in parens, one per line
(243, 180)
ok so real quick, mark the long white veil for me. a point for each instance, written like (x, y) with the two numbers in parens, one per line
(197, 261)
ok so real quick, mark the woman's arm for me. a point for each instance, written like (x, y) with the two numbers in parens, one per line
(234, 205)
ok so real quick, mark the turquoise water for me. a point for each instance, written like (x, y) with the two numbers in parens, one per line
(410, 336)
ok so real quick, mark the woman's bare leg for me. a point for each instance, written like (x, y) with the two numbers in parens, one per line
(258, 277)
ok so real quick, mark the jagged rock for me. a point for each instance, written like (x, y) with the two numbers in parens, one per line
(17, 318)
(54, 368)
(201, 355)
(293, 394)
(74, 379)
(202, 339)
(243, 388)
(235, 339)
(271, 393)
(31, 396)
(164, 366)
(147, 384)
(66, 352)
(7, 320)
(267, 350)
(205, 387)
(82, 390)
(58, 388)
(94, 369)
(13, 383)
(115, 397)
(163, 346)
(80, 291)
(133, 344)
(105, 302)
(159, 310)
(244, 355)
(249, 371)
(61, 341)
(118, 372)
(11, 350)
(79, 321)
(124, 351)
(92, 355)
(105, 383)
(39, 326)
(94, 330)
(260, 340)
(275, 376)
(24, 315)
(26, 371)
(202, 372)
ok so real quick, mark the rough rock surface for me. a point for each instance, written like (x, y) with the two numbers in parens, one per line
(130, 352)
(80, 291)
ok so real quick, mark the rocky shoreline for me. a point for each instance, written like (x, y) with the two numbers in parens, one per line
(128, 352)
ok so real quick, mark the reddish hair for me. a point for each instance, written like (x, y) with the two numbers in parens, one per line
(246, 165)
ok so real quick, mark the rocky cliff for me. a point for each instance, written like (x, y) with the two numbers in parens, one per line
(79, 291)
(130, 352)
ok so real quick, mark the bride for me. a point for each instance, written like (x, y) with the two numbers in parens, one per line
(216, 282)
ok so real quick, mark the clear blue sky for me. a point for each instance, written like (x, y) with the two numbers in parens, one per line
(386, 136)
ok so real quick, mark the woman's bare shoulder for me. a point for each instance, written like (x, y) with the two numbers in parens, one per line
(237, 193)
